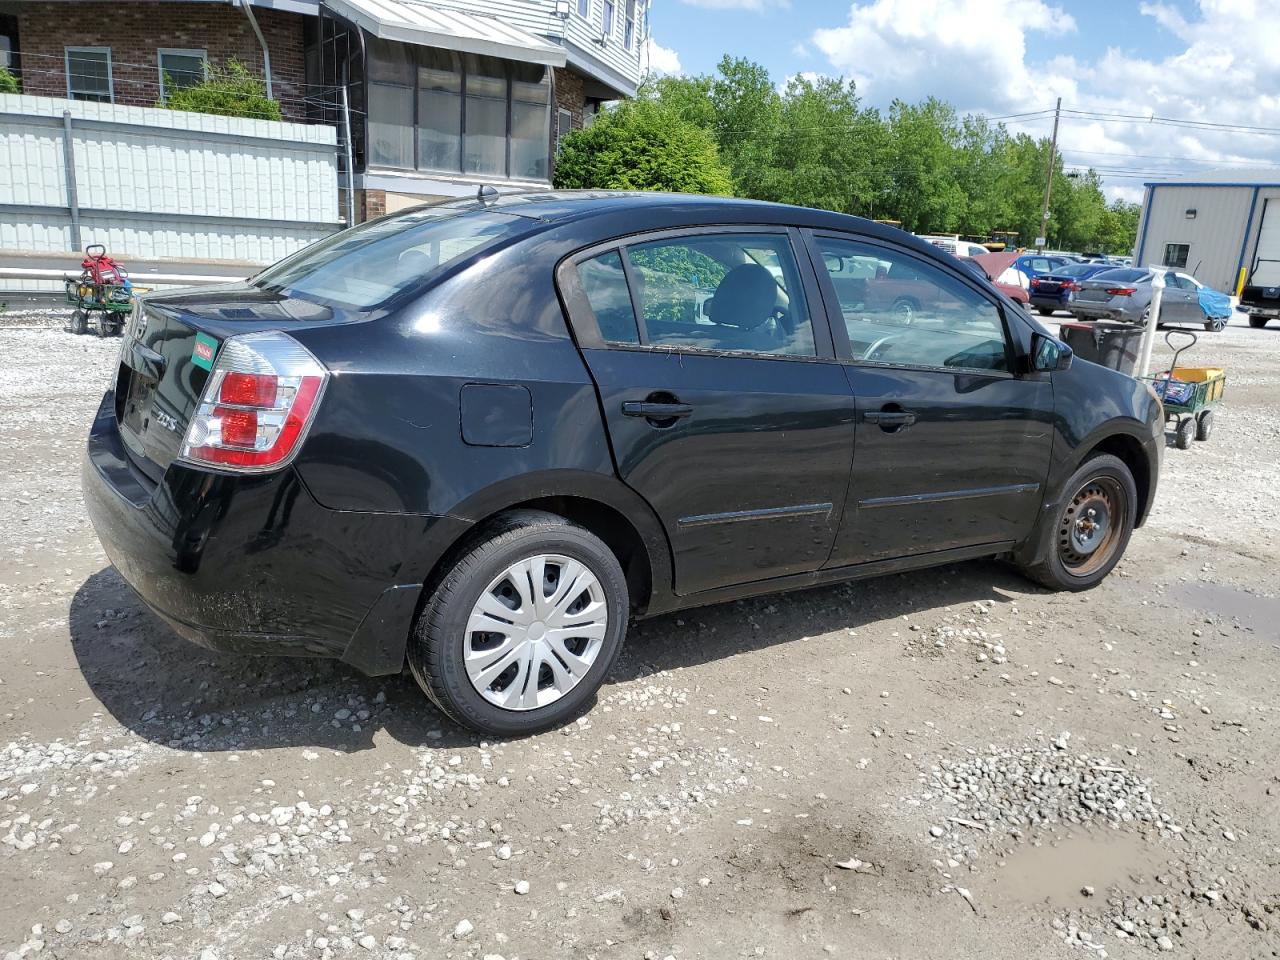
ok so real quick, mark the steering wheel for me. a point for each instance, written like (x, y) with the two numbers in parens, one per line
(876, 347)
(782, 320)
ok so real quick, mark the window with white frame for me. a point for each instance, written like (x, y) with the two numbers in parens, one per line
(629, 26)
(89, 74)
(584, 8)
(606, 22)
(181, 68)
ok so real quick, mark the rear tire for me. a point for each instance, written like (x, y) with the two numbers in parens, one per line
(1091, 530)
(1045, 311)
(1257, 322)
(446, 650)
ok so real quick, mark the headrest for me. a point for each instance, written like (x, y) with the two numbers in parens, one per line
(745, 298)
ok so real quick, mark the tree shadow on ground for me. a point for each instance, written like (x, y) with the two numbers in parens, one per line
(176, 694)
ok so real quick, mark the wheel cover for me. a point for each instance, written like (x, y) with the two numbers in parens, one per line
(535, 632)
(1091, 526)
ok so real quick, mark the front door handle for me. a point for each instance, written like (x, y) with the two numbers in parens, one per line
(652, 410)
(890, 418)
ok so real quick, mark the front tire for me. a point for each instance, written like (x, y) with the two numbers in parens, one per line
(1091, 530)
(1045, 311)
(517, 636)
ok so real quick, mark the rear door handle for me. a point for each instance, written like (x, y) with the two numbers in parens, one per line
(890, 418)
(652, 410)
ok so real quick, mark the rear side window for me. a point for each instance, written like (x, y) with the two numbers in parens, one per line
(605, 284)
(366, 266)
(905, 312)
(1121, 275)
(722, 292)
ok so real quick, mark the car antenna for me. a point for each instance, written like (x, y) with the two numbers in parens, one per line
(485, 193)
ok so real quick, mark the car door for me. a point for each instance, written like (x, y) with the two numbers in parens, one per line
(953, 441)
(1180, 303)
(725, 406)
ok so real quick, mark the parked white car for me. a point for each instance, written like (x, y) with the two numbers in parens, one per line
(957, 247)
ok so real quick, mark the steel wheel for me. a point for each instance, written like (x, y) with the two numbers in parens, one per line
(535, 632)
(1092, 526)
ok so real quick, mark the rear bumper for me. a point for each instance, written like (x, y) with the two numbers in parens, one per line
(1102, 311)
(253, 564)
(1051, 301)
(1256, 310)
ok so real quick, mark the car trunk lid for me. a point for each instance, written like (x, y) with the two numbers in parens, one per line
(170, 345)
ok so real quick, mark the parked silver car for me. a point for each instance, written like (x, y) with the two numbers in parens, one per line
(1125, 294)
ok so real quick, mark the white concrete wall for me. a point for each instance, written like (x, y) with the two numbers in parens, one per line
(162, 183)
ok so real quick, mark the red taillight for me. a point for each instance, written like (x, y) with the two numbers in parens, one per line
(260, 399)
(239, 427)
(1071, 285)
(248, 389)
(1035, 281)
(1122, 291)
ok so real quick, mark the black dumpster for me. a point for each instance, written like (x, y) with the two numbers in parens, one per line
(1114, 345)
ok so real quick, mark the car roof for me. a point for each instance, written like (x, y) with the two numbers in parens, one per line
(558, 206)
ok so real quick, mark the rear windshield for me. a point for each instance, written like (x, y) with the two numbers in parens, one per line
(366, 266)
(1077, 269)
(1123, 274)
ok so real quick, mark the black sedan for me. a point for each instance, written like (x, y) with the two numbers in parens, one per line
(482, 436)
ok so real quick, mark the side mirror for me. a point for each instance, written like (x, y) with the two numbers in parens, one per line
(1049, 354)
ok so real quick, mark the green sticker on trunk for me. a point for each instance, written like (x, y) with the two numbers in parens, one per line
(203, 352)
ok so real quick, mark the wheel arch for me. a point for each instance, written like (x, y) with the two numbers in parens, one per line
(1120, 440)
(603, 505)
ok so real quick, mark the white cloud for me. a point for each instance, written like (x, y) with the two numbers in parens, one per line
(973, 53)
(661, 60)
(800, 49)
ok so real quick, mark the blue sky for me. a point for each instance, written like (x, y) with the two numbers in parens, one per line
(1173, 58)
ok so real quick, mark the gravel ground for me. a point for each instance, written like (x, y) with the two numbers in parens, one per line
(950, 763)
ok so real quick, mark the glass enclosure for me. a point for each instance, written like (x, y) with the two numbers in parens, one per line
(438, 111)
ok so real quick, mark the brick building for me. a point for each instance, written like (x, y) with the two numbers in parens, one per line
(443, 95)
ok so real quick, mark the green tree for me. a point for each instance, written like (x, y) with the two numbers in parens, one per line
(923, 192)
(230, 91)
(641, 145)
(747, 110)
(829, 151)
(8, 82)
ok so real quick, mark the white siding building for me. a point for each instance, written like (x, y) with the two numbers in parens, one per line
(1215, 224)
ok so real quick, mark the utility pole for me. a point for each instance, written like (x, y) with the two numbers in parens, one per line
(1048, 183)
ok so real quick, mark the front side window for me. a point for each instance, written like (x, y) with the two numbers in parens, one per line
(722, 292)
(89, 74)
(902, 311)
(180, 68)
(1175, 255)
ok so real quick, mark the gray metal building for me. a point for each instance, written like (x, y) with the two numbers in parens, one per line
(1214, 224)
